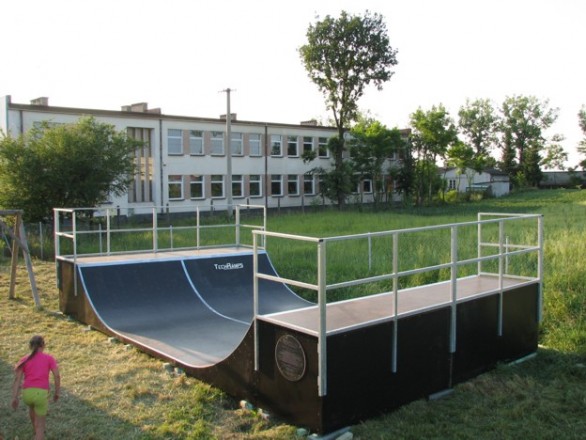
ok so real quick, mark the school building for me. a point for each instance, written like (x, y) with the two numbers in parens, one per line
(184, 161)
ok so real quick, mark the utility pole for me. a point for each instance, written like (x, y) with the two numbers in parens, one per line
(228, 153)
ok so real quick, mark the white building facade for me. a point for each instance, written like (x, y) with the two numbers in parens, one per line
(184, 160)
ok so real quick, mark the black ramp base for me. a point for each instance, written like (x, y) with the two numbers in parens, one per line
(197, 313)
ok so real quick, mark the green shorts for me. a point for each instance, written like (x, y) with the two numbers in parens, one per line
(37, 399)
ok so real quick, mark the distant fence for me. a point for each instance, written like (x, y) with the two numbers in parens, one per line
(40, 242)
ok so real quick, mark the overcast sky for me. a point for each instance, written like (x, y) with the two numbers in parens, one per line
(179, 55)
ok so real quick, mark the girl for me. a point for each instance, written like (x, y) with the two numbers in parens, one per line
(35, 369)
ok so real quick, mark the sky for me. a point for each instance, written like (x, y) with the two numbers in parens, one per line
(180, 54)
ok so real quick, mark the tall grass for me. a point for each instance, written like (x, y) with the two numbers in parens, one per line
(564, 212)
(111, 392)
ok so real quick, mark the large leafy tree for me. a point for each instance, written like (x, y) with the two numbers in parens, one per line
(523, 123)
(478, 124)
(555, 156)
(433, 133)
(69, 165)
(372, 144)
(342, 57)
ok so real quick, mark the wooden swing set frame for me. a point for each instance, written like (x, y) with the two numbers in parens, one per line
(18, 236)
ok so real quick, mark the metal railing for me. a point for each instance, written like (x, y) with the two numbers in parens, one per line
(504, 251)
(103, 231)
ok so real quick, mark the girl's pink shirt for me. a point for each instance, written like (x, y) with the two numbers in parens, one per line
(36, 371)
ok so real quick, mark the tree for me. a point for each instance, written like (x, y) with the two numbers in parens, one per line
(478, 124)
(433, 132)
(69, 165)
(461, 157)
(372, 144)
(582, 145)
(405, 174)
(555, 155)
(524, 121)
(342, 56)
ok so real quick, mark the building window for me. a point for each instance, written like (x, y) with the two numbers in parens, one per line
(364, 186)
(308, 185)
(323, 147)
(196, 187)
(236, 144)
(307, 144)
(451, 184)
(292, 146)
(293, 185)
(276, 145)
(321, 183)
(141, 187)
(174, 141)
(237, 187)
(175, 187)
(255, 145)
(196, 142)
(367, 186)
(217, 185)
(276, 185)
(217, 142)
(255, 186)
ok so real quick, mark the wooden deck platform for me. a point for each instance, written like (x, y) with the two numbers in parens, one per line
(355, 313)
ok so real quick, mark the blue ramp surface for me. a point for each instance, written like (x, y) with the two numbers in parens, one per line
(225, 284)
(154, 304)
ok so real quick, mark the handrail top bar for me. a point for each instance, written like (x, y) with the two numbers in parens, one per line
(177, 208)
(292, 236)
(507, 214)
(399, 231)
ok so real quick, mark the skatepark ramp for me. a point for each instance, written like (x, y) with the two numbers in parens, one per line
(226, 316)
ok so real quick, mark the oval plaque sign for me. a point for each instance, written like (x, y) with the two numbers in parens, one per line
(290, 358)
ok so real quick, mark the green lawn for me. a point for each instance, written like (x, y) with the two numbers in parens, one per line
(113, 392)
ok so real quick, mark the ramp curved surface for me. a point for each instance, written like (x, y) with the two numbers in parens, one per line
(225, 284)
(195, 311)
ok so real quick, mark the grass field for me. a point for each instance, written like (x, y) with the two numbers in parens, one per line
(114, 392)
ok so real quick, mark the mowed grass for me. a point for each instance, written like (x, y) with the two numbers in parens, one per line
(111, 391)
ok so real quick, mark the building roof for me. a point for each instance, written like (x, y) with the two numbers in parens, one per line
(141, 111)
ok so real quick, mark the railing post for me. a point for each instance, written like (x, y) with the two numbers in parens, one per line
(506, 255)
(74, 232)
(155, 231)
(396, 300)
(171, 235)
(264, 226)
(501, 262)
(321, 299)
(56, 241)
(540, 239)
(197, 226)
(237, 220)
(255, 305)
(108, 232)
(369, 251)
(479, 245)
(100, 239)
(454, 288)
